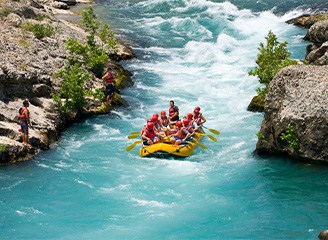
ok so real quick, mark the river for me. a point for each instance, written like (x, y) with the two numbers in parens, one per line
(196, 53)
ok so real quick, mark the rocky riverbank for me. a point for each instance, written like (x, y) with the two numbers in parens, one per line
(27, 67)
(296, 105)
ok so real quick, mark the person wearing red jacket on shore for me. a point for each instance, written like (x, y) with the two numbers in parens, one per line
(24, 117)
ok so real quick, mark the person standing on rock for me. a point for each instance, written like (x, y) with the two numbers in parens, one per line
(109, 82)
(24, 116)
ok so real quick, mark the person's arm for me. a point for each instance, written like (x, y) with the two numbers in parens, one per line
(188, 135)
(203, 119)
(105, 76)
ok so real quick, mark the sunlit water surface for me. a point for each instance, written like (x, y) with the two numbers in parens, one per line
(197, 53)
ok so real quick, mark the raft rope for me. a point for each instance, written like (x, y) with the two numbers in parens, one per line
(176, 150)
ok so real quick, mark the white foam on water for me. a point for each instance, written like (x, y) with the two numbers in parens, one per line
(152, 203)
(119, 188)
(84, 183)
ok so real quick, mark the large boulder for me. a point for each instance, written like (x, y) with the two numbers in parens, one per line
(317, 50)
(318, 32)
(296, 106)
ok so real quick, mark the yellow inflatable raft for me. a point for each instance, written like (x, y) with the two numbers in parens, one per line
(164, 149)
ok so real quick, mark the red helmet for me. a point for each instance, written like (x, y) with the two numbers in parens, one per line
(149, 120)
(185, 121)
(163, 113)
(198, 108)
(150, 125)
(179, 124)
(155, 115)
(190, 116)
(154, 119)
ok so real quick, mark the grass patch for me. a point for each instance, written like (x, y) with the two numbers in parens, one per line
(39, 30)
(41, 17)
(4, 12)
(3, 147)
(23, 43)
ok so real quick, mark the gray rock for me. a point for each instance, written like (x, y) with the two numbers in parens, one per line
(14, 20)
(318, 55)
(297, 96)
(318, 32)
(59, 5)
(68, 2)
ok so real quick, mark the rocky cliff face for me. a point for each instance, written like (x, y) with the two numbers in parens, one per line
(317, 50)
(297, 100)
(27, 67)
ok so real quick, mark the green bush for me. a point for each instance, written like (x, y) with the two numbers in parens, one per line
(83, 57)
(91, 54)
(290, 137)
(40, 30)
(72, 90)
(271, 58)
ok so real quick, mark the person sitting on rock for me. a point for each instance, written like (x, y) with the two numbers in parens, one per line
(109, 82)
(24, 117)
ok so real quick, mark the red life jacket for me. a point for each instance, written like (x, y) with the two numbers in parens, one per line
(173, 110)
(22, 115)
(164, 121)
(182, 133)
(108, 78)
(150, 133)
(198, 118)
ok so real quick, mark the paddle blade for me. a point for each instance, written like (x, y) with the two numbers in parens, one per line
(133, 136)
(135, 133)
(202, 145)
(198, 143)
(216, 132)
(212, 137)
(129, 148)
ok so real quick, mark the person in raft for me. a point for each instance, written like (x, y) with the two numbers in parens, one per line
(109, 82)
(173, 112)
(188, 124)
(164, 120)
(199, 119)
(24, 117)
(150, 136)
(181, 136)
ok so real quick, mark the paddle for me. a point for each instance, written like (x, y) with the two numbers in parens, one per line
(198, 143)
(133, 136)
(216, 132)
(209, 136)
(135, 132)
(129, 148)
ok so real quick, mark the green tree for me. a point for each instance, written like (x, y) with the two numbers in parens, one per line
(93, 56)
(82, 57)
(71, 99)
(271, 58)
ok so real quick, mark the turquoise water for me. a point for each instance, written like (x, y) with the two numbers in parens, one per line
(197, 53)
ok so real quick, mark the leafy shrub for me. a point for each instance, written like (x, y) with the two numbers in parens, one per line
(83, 56)
(290, 137)
(271, 58)
(40, 30)
(72, 89)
